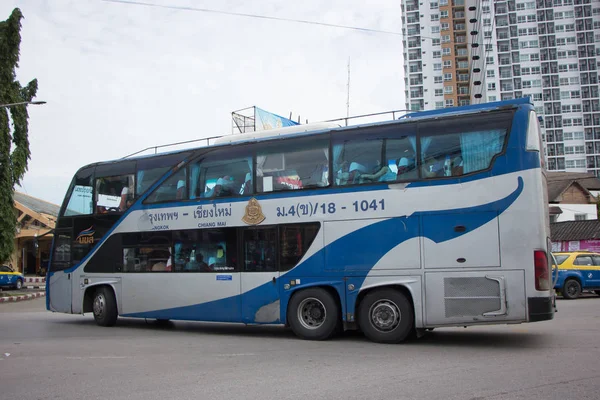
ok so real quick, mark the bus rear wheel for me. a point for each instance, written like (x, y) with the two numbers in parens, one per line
(386, 316)
(313, 314)
(104, 307)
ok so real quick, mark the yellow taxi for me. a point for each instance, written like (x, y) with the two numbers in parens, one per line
(577, 271)
(10, 278)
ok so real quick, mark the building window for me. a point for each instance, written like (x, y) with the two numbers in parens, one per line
(439, 92)
(580, 217)
(449, 103)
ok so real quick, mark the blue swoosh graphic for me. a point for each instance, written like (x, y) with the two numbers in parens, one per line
(381, 237)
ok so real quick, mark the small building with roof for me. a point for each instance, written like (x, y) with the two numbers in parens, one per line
(36, 220)
(573, 196)
(575, 235)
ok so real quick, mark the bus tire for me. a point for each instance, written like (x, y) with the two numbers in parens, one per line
(386, 316)
(571, 289)
(597, 292)
(104, 306)
(313, 314)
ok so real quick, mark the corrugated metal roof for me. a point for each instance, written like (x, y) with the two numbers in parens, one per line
(558, 182)
(37, 205)
(575, 230)
(586, 179)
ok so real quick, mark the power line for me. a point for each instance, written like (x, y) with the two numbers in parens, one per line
(301, 21)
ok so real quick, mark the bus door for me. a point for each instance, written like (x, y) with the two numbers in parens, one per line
(259, 275)
(60, 282)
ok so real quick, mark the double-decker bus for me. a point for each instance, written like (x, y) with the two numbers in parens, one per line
(435, 219)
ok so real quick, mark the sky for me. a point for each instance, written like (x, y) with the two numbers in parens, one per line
(118, 78)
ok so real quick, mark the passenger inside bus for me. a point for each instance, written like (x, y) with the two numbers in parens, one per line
(181, 194)
(247, 185)
(114, 194)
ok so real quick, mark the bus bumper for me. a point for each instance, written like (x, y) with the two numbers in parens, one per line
(540, 308)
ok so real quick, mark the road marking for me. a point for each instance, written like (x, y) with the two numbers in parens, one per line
(97, 357)
(236, 355)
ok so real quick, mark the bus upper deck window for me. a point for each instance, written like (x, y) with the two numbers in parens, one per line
(114, 194)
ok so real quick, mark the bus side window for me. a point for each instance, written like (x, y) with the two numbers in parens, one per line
(357, 160)
(222, 173)
(172, 189)
(455, 148)
(206, 250)
(260, 246)
(293, 165)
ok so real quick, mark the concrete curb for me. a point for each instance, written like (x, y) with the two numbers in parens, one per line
(13, 299)
(34, 282)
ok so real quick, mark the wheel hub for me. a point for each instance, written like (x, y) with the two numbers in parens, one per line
(385, 315)
(99, 305)
(311, 313)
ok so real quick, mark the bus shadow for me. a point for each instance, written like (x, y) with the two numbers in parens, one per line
(445, 337)
(504, 340)
(192, 327)
(456, 338)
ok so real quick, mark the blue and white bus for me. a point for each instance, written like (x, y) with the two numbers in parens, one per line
(436, 219)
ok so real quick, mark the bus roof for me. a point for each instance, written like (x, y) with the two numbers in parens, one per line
(316, 128)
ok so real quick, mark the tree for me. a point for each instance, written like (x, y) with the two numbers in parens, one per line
(14, 146)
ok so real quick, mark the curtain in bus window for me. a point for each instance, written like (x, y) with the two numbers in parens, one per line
(425, 142)
(194, 179)
(140, 178)
(260, 163)
(337, 161)
(478, 148)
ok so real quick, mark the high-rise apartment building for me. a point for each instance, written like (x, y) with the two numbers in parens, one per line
(459, 52)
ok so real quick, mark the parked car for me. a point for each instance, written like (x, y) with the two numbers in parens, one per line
(10, 278)
(577, 271)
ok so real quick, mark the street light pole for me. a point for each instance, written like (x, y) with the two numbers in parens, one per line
(23, 102)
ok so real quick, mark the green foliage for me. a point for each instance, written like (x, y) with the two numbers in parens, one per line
(14, 148)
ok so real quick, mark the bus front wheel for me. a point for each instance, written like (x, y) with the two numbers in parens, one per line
(313, 314)
(104, 307)
(386, 316)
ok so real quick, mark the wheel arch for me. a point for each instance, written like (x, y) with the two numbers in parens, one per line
(329, 287)
(88, 296)
(410, 286)
(404, 289)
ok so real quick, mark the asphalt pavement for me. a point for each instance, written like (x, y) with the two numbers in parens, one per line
(56, 356)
